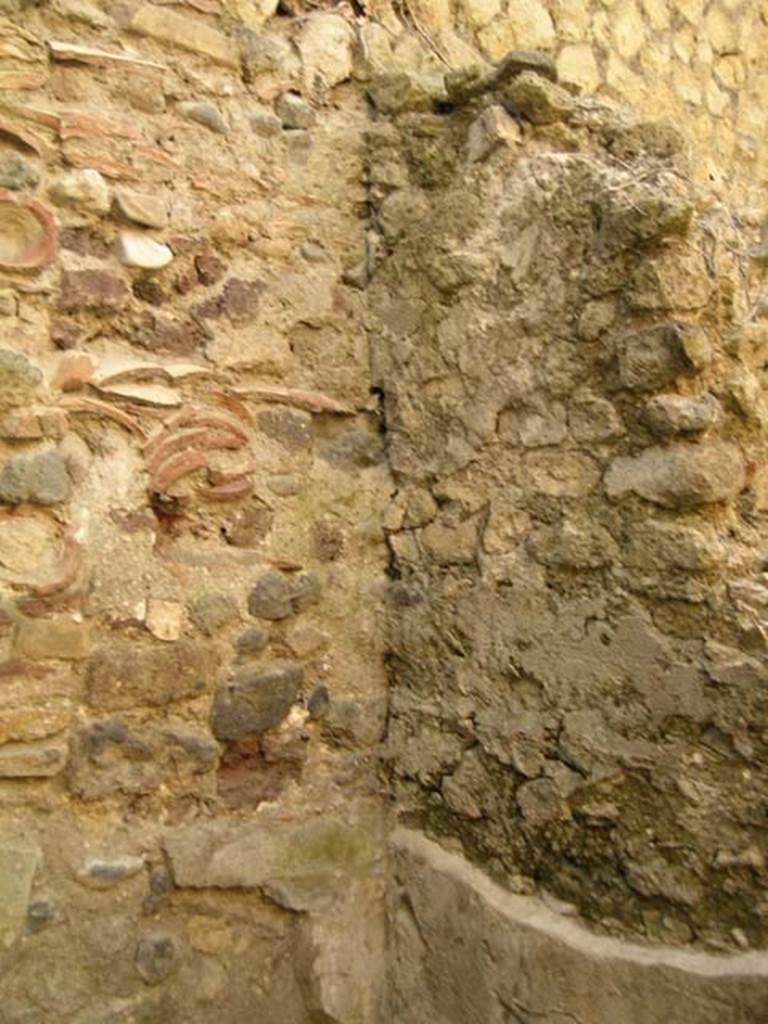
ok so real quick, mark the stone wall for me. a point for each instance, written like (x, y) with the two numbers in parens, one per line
(192, 678)
(570, 342)
(337, 360)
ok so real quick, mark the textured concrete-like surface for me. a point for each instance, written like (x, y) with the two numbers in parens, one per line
(465, 951)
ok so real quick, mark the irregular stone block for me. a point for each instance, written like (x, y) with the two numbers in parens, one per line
(537, 99)
(147, 210)
(222, 855)
(17, 173)
(518, 61)
(652, 359)
(92, 289)
(538, 960)
(664, 545)
(19, 380)
(18, 864)
(255, 702)
(109, 757)
(325, 46)
(65, 639)
(123, 674)
(211, 612)
(667, 415)
(84, 189)
(252, 641)
(397, 92)
(681, 476)
(32, 760)
(41, 479)
(493, 129)
(185, 31)
(278, 595)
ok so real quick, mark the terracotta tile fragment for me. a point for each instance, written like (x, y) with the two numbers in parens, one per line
(175, 468)
(81, 54)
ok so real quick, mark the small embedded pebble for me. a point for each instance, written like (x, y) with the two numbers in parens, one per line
(136, 250)
(294, 112)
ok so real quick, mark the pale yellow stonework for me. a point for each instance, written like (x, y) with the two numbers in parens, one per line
(625, 82)
(572, 19)
(722, 31)
(658, 14)
(576, 65)
(691, 9)
(480, 13)
(628, 30)
(431, 15)
(686, 84)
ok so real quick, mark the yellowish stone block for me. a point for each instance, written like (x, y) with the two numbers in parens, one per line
(572, 18)
(658, 14)
(576, 65)
(686, 84)
(625, 82)
(628, 30)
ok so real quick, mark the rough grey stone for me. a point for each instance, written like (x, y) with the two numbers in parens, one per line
(252, 641)
(19, 380)
(40, 914)
(518, 61)
(278, 595)
(108, 757)
(537, 99)
(205, 114)
(17, 173)
(211, 612)
(41, 479)
(156, 958)
(398, 91)
(253, 702)
(104, 874)
(652, 359)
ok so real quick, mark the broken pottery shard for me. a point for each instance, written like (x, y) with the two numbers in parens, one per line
(81, 54)
(28, 234)
(184, 31)
(680, 476)
(144, 394)
(312, 401)
(137, 251)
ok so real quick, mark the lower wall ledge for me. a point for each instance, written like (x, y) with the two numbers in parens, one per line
(465, 951)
